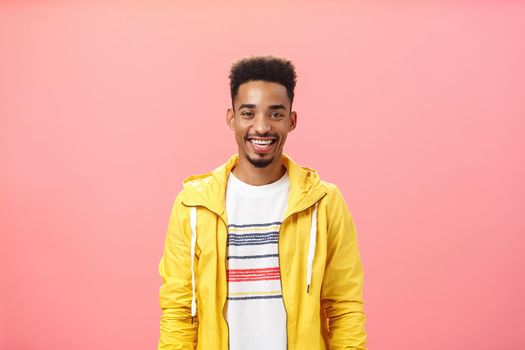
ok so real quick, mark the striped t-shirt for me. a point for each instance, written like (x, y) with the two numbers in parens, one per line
(255, 311)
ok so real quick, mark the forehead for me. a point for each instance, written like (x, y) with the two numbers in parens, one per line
(261, 93)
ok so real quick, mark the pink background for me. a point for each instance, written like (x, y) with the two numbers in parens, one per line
(415, 109)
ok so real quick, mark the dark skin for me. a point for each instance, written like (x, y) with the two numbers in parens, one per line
(261, 113)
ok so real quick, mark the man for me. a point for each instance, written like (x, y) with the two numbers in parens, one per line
(260, 253)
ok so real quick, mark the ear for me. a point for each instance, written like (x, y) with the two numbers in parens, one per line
(230, 121)
(293, 121)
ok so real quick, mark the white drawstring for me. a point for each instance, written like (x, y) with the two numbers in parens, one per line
(311, 248)
(193, 222)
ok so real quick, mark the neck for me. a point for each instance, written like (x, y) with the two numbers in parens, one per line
(250, 174)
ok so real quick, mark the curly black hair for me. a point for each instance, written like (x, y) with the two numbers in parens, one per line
(266, 68)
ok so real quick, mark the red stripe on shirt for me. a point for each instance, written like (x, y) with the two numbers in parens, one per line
(239, 275)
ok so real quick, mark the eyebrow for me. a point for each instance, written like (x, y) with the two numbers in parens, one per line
(252, 106)
(247, 105)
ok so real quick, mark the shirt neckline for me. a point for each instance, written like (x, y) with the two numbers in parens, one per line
(262, 190)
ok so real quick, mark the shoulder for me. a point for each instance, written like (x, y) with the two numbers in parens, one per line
(206, 188)
(334, 200)
(332, 190)
(330, 187)
(190, 186)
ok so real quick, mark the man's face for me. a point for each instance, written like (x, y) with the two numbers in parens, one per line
(261, 121)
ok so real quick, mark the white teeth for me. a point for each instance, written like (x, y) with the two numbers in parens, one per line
(261, 142)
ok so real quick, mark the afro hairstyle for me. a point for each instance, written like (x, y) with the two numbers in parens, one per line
(266, 68)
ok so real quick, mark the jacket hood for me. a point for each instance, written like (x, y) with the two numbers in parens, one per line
(209, 189)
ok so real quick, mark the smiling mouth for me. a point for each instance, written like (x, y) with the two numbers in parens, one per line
(262, 145)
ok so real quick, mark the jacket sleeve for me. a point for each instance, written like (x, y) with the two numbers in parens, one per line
(342, 291)
(177, 331)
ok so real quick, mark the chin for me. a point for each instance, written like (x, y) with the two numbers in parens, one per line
(260, 162)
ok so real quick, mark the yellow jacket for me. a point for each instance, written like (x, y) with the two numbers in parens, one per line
(321, 271)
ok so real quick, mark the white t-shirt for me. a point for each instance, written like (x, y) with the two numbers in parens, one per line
(255, 311)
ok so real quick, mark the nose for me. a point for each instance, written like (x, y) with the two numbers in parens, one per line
(261, 124)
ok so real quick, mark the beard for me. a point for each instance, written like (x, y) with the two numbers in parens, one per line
(260, 163)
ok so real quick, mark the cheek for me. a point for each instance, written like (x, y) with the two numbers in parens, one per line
(239, 136)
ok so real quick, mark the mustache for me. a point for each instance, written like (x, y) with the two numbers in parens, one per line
(261, 135)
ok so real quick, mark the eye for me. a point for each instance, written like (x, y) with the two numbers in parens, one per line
(277, 115)
(247, 114)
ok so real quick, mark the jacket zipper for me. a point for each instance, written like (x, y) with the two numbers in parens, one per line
(227, 284)
(227, 292)
(281, 281)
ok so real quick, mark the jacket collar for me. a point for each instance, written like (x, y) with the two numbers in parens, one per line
(209, 189)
